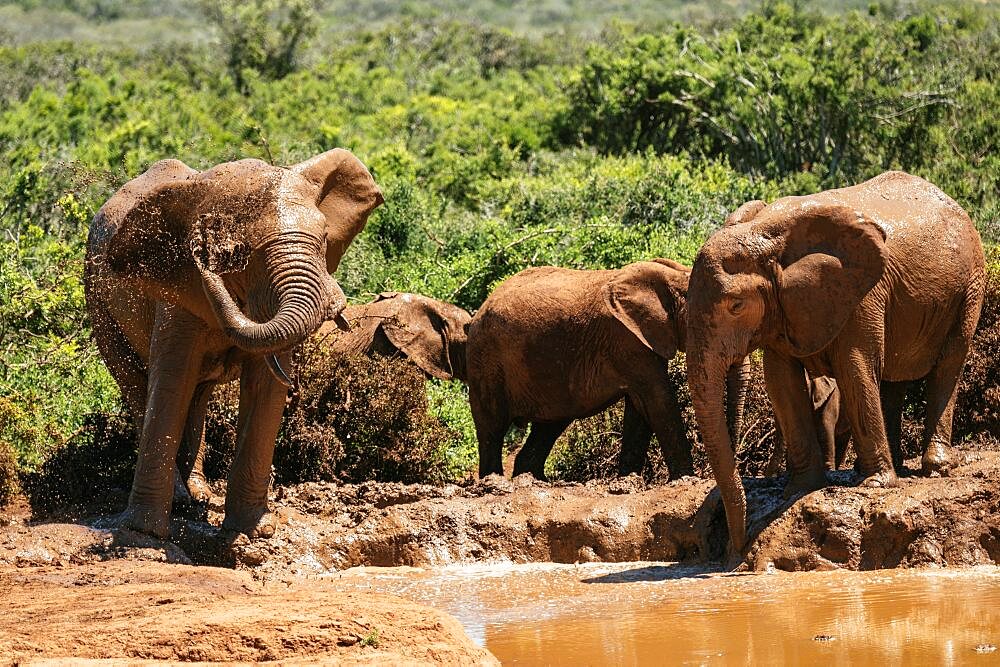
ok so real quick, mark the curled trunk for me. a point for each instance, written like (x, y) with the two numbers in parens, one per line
(304, 295)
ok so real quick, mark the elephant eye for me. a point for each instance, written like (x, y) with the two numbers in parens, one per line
(736, 306)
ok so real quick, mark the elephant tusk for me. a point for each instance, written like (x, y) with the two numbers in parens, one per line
(341, 323)
(277, 371)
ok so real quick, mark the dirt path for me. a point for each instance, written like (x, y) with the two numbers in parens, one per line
(133, 611)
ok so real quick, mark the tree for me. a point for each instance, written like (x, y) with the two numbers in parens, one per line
(264, 36)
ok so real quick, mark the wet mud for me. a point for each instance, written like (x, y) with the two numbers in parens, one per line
(939, 521)
(47, 564)
(133, 612)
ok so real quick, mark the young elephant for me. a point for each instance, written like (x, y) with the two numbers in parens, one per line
(194, 277)
(881, 281)
(552, 345)
(428, 332)
(833, 431)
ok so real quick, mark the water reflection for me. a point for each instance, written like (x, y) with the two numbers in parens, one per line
(660, 613)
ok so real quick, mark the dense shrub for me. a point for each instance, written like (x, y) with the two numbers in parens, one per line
(262, 36)
(356, 418)
(95, 466)
(978, 406)
(9, 478)
(352, 419)
(496, 151)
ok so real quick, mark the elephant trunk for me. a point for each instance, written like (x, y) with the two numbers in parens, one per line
(708, 380)
(299, 292)
(737, 379)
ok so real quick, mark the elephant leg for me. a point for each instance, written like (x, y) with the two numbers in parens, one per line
(942, 390)
(262, 402)
(658, 407)
(192, 455)
(536, 448)
(788, 389)
(893, 394)
(174, 362)
(635, 441)
(826, 417)
(859, 387)
(123, 363)
(842, 440)
(492, 423)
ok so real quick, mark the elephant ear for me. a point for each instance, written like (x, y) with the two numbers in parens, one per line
(745, 213)
(648, 297)
(347, 196)
(820, 389)
(421, 333)
(142, 228)
(833, 256)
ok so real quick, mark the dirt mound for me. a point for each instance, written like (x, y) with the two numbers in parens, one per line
(139, 611)
(325, 527)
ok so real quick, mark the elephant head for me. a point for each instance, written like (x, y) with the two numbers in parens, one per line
(430, 333)
(255, 237)
(785, 276)
(650, 299)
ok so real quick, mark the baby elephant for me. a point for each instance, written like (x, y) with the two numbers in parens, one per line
(833, 431)
(428, 332)
(551, 345)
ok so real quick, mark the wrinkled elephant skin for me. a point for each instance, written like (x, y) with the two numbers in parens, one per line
(551, 345)
(193, 278)
(881, 282)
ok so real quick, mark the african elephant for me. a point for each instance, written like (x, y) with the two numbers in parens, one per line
(551, 345)
(428, 332)
(193, 278)
(879, 281)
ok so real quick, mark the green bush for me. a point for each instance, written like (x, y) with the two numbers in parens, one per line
(9, 477)
(496, 150)
(354, 418)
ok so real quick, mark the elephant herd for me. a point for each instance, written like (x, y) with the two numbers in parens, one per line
(196, 278)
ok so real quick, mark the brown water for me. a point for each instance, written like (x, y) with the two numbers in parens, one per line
(664, 614)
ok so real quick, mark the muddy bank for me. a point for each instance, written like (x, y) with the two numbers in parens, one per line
(948, 521)
(136, 611)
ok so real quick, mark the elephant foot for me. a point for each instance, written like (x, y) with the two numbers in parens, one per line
(256, 522)
(805, 482)
(198, 489)
(881, 480)
(936, 461)
(146, 520)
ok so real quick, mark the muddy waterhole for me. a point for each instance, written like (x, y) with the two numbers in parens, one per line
(662, 613)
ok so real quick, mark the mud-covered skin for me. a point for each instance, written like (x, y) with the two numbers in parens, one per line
(882, 281)
(193, 278)
(428, 332)
(551, 345)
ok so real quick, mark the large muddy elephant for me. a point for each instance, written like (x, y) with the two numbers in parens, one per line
(552, 345)
(197, 277)
(882, 281)
(428, 332)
